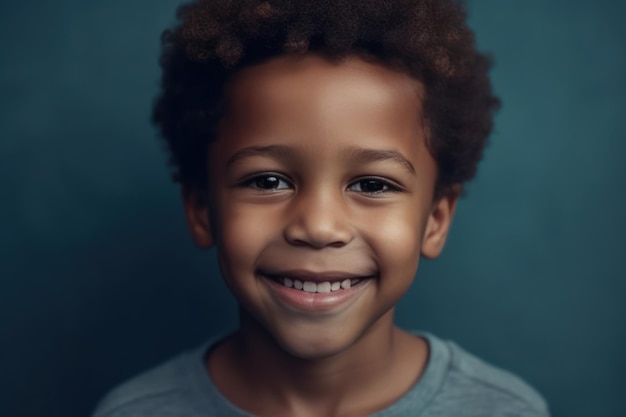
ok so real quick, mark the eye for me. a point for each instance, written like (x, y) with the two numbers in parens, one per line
(268, 182)
(372, 186)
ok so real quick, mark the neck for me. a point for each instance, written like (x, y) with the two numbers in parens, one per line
(366, 358)
(364, 377)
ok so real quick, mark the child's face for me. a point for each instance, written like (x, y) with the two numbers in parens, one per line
(320, 174)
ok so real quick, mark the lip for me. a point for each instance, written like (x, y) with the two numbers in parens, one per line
(304, 302)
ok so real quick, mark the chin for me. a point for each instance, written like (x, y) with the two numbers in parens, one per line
(312, 344)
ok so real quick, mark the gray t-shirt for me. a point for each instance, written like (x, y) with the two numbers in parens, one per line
(454, 384)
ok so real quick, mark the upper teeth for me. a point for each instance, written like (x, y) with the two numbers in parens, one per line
(319, 287)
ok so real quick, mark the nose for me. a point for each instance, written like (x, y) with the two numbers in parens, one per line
(319, 219)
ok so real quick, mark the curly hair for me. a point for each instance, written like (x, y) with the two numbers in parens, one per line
(428, 39)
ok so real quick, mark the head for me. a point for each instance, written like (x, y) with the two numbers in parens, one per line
(323, 143)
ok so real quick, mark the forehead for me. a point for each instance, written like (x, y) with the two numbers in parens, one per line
(321, 107)
(313, 86)
(285, 70)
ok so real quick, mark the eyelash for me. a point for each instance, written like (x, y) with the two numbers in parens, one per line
(387, 186)
(253, 182)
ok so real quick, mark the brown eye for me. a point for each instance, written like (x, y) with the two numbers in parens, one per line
(372, 186)
(268, 182)
(369, 186)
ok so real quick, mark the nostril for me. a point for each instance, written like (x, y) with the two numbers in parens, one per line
(338, 244)
(318, 242)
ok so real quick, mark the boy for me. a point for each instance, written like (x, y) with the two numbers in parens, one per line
(321, 148)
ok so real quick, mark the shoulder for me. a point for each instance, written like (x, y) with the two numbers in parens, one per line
(477, 388)
(489, 377)
(161, 391)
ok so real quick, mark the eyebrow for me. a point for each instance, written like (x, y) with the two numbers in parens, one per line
(272, 151)
(362, 155)
(365, 155)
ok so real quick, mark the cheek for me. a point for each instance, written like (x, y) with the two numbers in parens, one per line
(399, 247)
(244, 234)
(396, 242)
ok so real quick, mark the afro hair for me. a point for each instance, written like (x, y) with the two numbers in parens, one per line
(428, 39)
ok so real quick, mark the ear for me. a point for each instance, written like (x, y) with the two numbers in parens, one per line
(196, 204)
(439, 221)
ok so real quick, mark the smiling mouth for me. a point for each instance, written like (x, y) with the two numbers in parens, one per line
(315, 282)
(323, 287)
(308, 291)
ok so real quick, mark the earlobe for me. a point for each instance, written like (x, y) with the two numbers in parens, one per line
(438, 225)
(197, 214)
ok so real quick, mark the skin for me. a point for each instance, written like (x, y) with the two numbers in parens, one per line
(319, 166)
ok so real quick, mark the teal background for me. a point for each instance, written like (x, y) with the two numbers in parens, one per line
(99, 280)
